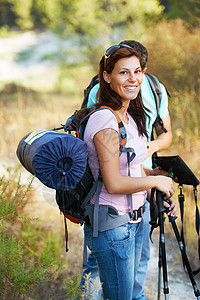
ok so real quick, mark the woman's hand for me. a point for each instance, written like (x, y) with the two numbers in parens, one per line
(159, 171)
(172, 207)
(153, 172)
(165, 185)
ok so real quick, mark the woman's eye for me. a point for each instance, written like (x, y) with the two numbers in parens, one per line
(123, 72)
(138, 71)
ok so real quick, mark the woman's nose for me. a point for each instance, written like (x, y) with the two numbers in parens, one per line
(132, 77)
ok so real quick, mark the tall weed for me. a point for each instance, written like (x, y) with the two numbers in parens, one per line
(11, 201)
(20, 272)
(89, 291)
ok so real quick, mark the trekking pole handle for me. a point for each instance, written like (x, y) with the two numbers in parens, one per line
(159, 201)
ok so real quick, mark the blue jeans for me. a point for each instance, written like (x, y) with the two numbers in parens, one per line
(139, 283)
(117, 252)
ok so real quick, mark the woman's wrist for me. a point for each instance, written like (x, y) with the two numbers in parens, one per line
(153, 181)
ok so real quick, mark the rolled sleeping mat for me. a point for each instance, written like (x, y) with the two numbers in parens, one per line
(58, 160)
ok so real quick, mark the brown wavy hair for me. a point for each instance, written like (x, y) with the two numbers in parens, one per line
(108, 97)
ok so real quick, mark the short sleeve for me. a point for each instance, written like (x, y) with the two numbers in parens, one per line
(163, 110)
(102, 119)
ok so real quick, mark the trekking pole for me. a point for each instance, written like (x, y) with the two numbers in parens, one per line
(162, 251)
(184, 256)
(159, 271)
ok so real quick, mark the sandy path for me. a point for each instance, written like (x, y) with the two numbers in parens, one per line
(179, 283)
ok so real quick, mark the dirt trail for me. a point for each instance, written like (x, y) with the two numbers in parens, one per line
(179, 283)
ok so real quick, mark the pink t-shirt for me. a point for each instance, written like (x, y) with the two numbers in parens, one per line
(103, 119)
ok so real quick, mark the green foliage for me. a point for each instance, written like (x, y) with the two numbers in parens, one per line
(175, 58)
(7, 16)
(188, 10)
(11, 200)
(89, 291)
(81, 16)
(92, 29)
(72, 287)
(18, 275)
(22, 9)
(23, 263)
(4, 31)
(175, 55)
(95, 25)
(36, 238)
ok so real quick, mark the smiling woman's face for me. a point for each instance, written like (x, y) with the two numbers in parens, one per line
(126, 77)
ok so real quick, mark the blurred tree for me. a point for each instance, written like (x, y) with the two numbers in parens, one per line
(175, 58)
(80, 16)
(104, 22)
(93, 25)
(188, 10)
(22, 9)
(175, 55)
(7, 16)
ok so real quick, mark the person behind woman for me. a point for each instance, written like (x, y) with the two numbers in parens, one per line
(117, 250)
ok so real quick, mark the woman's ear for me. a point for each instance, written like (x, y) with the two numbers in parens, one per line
(106, 77)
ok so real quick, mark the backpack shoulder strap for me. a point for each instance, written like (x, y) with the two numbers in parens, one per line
(72, 124)
(122, 148)
(93, 82)
(156, 89)
(122, 129)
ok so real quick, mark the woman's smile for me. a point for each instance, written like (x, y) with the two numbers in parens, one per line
(126, 77)
(131, 88)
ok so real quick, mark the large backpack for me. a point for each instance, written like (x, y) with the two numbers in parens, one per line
(59, 161)
(74, 203)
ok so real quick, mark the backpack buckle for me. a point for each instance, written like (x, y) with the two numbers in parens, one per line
(123, 135)
(137, 213)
